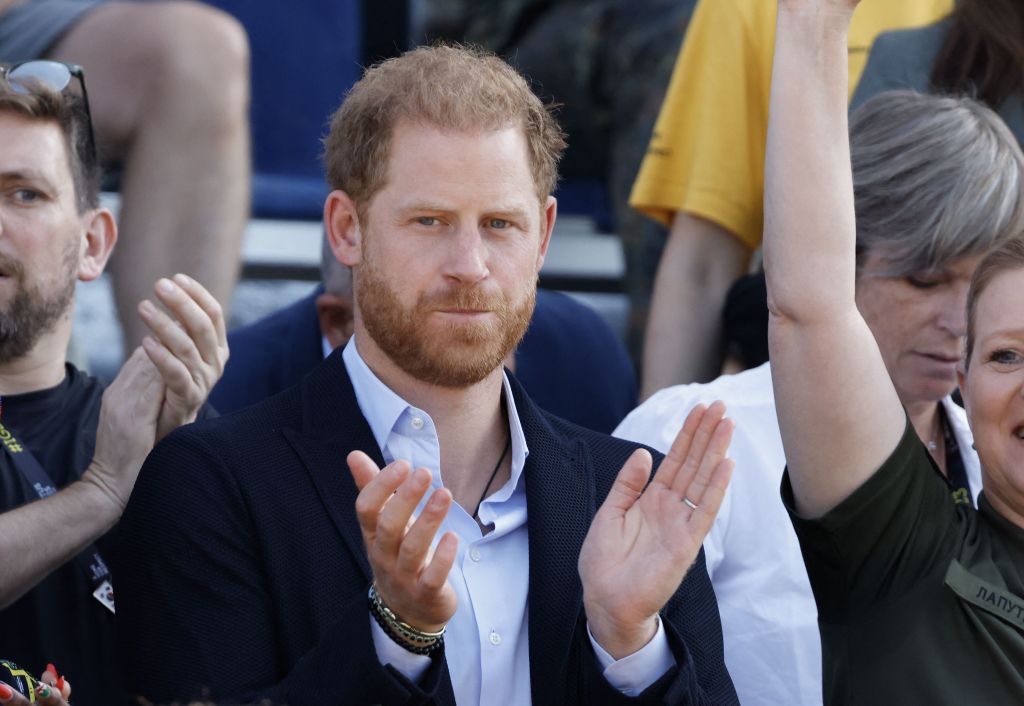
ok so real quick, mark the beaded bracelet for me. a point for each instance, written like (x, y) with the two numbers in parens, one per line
(412, 639)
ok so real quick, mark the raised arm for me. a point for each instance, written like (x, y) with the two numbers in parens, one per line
(838, 410)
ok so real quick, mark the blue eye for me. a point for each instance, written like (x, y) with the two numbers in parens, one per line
(498, 223)
(27, 195)
(427, 221)
(1005, 357)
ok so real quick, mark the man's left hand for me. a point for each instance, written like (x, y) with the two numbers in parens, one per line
(189, 347)
(644, 539)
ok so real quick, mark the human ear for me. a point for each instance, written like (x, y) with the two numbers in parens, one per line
(549, 214)
(341, 223)
(98, 239)
(335, 314)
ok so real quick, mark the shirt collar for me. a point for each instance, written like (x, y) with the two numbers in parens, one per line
(382, 408)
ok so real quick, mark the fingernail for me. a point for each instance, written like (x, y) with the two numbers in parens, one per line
(60, 683)
(43, 690)
(182, 279)
(52, 669)
(6, 692)
(165, 285)
(147, 307)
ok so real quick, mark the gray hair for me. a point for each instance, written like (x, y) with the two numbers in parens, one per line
(935, 179)
(334, 276)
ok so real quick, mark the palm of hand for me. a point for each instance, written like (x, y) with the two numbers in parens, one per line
(644, 539)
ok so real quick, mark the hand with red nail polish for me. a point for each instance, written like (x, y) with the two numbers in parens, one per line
(59, 686)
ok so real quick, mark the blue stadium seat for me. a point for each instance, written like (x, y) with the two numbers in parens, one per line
(305, 55)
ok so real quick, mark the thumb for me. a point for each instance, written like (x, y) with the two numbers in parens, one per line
(629, 484)
(362, 467)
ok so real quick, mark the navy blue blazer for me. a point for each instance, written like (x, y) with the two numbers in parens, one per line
(241, 571)
(570, 361)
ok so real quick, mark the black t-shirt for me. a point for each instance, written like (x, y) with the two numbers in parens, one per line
(920, 598)
(58, 621)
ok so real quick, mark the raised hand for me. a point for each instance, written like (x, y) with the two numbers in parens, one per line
(411, 580)
(189, 347)
(644, 539)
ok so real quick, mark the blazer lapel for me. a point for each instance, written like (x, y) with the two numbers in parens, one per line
(560, 505)
(332, 426)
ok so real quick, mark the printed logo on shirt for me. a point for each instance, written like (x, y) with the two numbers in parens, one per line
(9, 441)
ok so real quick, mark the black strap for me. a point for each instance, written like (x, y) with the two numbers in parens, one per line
(89, 560)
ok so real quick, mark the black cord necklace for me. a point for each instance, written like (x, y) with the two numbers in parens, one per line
(494, 473)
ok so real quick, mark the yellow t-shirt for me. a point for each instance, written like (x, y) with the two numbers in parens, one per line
(706, 156)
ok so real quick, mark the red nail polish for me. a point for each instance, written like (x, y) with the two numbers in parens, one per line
(6, 692)
(60, 683)
(52, 669)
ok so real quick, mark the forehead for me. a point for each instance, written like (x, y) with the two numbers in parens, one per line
(33, 146)
(426, 162)
(998, 307)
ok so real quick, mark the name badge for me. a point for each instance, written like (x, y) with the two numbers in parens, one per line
(982, 594)
(104, 593)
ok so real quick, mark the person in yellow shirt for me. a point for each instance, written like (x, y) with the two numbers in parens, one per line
(703, 174)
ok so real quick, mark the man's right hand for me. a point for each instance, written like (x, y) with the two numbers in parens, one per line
(412, 581)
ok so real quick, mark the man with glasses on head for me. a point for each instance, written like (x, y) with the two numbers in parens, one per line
(70, 450)
(170, 91)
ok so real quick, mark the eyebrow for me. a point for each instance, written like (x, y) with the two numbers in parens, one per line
(28, 174)
(515, 212)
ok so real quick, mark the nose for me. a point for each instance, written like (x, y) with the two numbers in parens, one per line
(467, 256)
(953, 317)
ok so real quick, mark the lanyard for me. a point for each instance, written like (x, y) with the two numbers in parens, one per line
(89, 560)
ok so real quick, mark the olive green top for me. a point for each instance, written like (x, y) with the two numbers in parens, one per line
(904, 60)
(920, 600)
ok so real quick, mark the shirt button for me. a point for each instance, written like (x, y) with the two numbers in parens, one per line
(417, 423)
(495, 638)
(474, 554)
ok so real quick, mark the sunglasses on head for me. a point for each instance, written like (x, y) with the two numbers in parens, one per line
(24, 76)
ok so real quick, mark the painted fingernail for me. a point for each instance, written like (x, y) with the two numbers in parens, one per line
(52, 669)
(60, 683)
(165, 285)
(6, 692)
(43, 690)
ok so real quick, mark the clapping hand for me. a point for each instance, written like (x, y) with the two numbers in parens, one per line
(645, 537)
(410, 579)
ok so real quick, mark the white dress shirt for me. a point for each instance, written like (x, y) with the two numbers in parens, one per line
(769, 618)
(486, 642)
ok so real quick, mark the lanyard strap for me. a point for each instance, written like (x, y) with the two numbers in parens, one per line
(89, 560)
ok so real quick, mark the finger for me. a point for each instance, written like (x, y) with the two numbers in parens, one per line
(362, 467)
(58, 682)
(433, 577)
(9, 696)
(376, 492)
(629, 483)
(715, 451)
(173, 336)
(680, 448)
(698, 447)
(393, 521)
(704, 516)
(208, 303)
(174, 373)
(193, 319)
(47, 695)
(415, 549)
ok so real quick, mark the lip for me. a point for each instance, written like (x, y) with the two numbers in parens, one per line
(941, 358)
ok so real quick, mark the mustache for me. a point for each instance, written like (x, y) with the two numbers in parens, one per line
(473, 298)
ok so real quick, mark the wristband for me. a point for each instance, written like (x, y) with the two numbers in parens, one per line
(414, 640)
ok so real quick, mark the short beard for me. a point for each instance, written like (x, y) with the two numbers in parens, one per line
(459, 355)
(31, 312)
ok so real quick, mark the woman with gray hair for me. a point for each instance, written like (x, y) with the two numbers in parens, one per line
(937, 185)
(918, 596)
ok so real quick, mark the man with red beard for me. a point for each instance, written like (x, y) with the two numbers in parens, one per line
(475, 550)
(70, 449)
